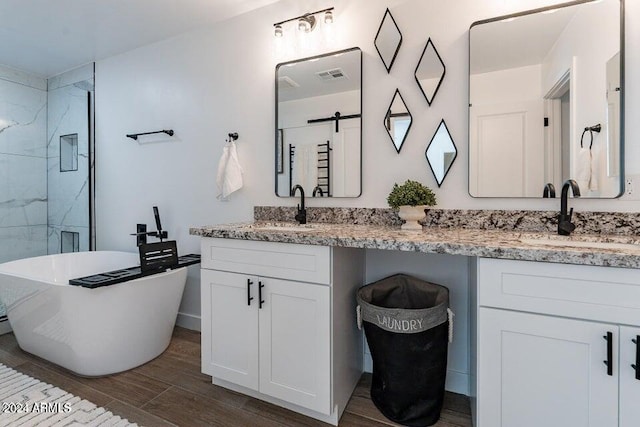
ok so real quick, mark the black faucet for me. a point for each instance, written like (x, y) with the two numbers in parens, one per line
(565, 226)
(549, 191)
(301, 215)
(318, 190)
(142, 233)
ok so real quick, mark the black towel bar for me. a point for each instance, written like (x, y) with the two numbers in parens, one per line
(135, 136)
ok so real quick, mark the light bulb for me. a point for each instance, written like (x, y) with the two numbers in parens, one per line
(307, 23)
(278, 31)
(303, 25)
(328, 17)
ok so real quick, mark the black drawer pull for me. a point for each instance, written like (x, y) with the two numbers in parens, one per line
(260, 300)
(636, 366)
(249, 297)
(609, 361)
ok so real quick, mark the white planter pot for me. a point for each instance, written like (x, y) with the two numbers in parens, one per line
(411, 216)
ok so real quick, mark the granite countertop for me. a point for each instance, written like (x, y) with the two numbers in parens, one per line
(543, 246)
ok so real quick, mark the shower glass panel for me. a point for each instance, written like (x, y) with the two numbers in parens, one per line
(69, 135)
(23, 165)
(46, 164)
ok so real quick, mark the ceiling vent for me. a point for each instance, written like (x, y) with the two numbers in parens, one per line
(286, 82)
(332, 75)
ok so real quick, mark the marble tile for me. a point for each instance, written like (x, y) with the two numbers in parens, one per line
(68, 192)
(20, 77)
(22, 242)
(23, 191)
(23, 168)
(76, 75)
(68, 196)
(54, 236)
(67, 114)
(23, 120)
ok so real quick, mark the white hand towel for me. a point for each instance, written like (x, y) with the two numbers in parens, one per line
(312, 165)
(583, 168)
(593, 182)
(305, 167)
(298, 171)
(229, 178)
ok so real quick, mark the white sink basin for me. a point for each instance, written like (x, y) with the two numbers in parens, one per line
(581, 244)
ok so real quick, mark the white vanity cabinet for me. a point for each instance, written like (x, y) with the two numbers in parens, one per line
(544, 333)
(629, 378)
(278, 322)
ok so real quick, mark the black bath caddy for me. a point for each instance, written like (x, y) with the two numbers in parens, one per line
(131, 273)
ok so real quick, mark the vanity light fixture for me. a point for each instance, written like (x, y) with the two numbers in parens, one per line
(328, 17)
(306, 22)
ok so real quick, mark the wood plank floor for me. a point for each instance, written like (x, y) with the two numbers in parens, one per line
(171, 391)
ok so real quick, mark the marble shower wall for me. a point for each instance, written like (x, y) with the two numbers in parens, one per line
(68, 190)
(23, 165)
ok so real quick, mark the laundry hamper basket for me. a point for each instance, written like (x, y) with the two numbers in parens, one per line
(407, 323)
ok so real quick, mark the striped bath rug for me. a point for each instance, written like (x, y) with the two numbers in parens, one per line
(27, 402)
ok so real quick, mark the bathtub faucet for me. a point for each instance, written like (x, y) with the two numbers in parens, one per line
(142, 233)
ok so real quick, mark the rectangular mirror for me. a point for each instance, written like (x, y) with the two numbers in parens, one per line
(319, 125)
(545, 101)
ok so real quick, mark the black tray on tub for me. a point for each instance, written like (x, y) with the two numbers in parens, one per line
(131, 273)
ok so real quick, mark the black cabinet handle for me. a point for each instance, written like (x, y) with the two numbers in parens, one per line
(249, 297)
(609, 361)
(260, 300)
(637, 364)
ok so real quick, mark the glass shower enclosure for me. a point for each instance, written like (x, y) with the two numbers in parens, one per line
(46, 163)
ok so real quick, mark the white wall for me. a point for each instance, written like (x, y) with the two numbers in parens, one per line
(207, 83)
(584, 49)
(295, 113)
(506, 86)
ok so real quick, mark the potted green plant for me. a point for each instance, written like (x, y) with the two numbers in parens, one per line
(411, 199)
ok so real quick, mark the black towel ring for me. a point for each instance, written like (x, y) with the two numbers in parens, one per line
(582, 138)
(591, 129)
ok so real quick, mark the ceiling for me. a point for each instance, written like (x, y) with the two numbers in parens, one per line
(309, 84)
(519, 42)
(46, 37)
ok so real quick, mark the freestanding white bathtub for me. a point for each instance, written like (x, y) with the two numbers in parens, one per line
(91, 332)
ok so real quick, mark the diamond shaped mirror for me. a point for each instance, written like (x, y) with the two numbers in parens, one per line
(441, 153)
(388, 40)
(397, 121)
(430, 72)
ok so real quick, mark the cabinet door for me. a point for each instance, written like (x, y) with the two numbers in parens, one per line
(230, 327)
(629, 384)
(536, 370)
(295, 347)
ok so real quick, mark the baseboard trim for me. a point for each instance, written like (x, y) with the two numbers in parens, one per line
(5, 327)
(188, 321)
(457, 382)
